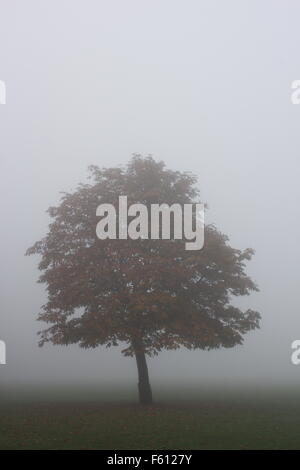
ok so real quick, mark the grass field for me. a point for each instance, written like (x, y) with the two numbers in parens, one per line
(187, 419)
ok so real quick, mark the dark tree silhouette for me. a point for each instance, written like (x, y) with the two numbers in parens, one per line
(147, 294)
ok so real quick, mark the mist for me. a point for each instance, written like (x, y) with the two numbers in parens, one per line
(205, 87)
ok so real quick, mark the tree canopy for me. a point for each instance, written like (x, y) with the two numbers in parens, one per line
(146, 295)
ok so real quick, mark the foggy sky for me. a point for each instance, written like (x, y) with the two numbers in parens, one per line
(204, 86)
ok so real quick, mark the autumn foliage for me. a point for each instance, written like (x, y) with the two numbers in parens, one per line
(146, 295)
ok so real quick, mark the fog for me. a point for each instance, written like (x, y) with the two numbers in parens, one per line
(204, 86)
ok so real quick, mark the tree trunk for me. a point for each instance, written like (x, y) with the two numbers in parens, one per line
(145, 393)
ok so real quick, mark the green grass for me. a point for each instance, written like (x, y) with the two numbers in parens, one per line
(188, 419)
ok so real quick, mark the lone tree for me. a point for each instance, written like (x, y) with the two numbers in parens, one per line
(147, 294)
